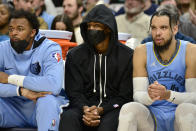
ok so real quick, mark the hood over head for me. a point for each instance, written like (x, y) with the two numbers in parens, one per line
(104, 15)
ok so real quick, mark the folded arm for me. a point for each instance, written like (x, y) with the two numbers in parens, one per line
(49, 81)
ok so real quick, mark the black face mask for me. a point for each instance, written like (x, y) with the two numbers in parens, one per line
(19, 46)
(95, 36)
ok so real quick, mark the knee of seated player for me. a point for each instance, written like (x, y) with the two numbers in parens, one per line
(48, 100)
(70, 115)
(131, 107)
(185, 108)
(109, 121)
(4, 113)
(185, 115)
(69, 119)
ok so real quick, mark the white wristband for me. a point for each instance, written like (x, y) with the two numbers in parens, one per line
(172, 96)
(17, 91)
(16, 80)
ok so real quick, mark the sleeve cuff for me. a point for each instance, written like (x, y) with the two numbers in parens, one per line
(16, 80)
(172, 97)
(17, 91)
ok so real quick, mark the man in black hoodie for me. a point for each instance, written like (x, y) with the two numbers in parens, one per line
(98, 75)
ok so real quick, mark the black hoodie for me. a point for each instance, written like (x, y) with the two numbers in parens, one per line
(103, 80)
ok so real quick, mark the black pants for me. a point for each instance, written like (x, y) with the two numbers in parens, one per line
(71, 120)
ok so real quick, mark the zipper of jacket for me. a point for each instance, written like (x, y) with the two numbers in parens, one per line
(100, 85)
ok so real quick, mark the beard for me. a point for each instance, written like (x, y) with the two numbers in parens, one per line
(74, 16)
(164, 47)
(133, 10)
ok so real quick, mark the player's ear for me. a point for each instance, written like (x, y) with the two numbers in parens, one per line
(175, 29)
(33, 32)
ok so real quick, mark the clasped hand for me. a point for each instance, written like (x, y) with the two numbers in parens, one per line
(157, 91)
(91, 116)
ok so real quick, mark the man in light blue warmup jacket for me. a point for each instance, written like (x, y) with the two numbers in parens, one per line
(31, 76)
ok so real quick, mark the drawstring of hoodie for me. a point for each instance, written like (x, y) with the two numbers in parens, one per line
(100, 81)
(94, 90)
(105, 78)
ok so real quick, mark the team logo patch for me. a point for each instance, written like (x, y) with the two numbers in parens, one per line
(115, 105)
(57, 56)
(35, 68)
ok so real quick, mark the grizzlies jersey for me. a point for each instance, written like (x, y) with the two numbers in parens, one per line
(172, 76)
